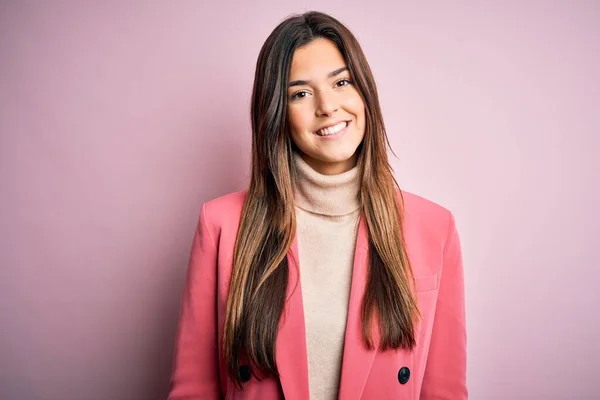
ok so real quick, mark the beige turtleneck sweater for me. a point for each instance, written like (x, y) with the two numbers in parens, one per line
(327, 213)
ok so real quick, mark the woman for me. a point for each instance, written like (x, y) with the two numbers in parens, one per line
(323, 280)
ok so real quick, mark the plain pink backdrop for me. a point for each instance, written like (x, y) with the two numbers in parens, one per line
(109, 111)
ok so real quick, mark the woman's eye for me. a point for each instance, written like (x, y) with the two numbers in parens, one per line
(299, 95)
(343, 82)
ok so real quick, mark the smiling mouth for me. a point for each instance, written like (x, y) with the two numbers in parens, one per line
(332, 130)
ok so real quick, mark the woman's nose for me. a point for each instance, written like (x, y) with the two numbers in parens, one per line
(327, 104)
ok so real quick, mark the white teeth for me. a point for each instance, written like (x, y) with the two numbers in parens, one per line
(332, 129)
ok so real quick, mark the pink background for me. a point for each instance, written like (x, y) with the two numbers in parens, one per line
(118, 119)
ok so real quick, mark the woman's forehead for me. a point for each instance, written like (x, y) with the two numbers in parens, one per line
(316, 60)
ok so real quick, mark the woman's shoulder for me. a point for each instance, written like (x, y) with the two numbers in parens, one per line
(222, 214)
(228, 202)
(421, 205)
(426, 217)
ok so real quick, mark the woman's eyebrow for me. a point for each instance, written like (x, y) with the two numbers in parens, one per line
(330, 75)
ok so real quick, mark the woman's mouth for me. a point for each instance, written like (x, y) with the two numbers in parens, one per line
(335, 130)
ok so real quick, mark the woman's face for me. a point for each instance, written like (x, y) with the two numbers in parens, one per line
(326, 114)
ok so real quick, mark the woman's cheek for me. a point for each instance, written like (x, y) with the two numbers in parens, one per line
(300, 120)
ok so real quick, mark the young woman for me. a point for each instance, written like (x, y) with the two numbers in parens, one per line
(323, 280)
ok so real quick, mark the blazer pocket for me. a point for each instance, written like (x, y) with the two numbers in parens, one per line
(426, 283)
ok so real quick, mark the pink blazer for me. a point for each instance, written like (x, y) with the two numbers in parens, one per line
(435, 369)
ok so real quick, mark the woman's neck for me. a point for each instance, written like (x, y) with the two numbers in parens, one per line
(332, 195)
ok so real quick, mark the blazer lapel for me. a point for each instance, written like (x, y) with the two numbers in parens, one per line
(357, 359)
(292, 360)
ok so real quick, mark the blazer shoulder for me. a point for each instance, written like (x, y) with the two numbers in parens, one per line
(229, 202)
(223, 212)
(416, 203)
(431, 219)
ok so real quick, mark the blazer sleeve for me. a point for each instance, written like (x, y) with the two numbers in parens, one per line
(195, 373)
(445, 371)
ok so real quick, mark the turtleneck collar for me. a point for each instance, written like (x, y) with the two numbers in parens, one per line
(332, 195)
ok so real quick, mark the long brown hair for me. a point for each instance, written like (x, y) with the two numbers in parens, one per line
(260, 268)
